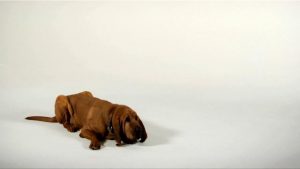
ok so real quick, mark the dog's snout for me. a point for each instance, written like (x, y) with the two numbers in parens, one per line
(138, 133)
(137, 130)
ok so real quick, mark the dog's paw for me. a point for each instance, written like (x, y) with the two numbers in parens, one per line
(73, 129)
(119, 144)
(95, 146)
(70, 127)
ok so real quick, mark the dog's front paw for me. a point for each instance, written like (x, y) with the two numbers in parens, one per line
(95, 145)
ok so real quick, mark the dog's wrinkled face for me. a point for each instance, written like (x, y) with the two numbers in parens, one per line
(127, 126)
(133, 128)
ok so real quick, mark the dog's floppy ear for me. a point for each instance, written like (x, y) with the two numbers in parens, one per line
(117, 126)
(123, 119)
(144, 133)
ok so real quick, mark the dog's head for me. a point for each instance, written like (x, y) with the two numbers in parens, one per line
(128, 126)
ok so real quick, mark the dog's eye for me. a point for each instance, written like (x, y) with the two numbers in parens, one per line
(127, 119)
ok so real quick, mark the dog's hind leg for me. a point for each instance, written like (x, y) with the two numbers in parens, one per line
(63, 113)
(70, 127)
(61, 109)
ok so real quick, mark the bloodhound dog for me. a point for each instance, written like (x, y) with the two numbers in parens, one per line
(97, 119)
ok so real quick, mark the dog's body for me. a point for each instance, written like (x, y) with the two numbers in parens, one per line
(98, 119)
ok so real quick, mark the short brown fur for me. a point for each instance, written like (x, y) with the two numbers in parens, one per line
(97, 119)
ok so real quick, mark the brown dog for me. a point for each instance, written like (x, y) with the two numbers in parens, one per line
(98, 119)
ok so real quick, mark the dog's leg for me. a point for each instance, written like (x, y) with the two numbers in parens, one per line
(61, 109)
(88, 134)
(63, 113)
(110, 136)
(70, 127)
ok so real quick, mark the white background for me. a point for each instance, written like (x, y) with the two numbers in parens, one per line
(217, 84)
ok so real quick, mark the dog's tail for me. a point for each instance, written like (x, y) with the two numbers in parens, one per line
(42, 118)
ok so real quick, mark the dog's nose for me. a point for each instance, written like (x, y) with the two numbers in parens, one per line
(138, 133)
(137, 130)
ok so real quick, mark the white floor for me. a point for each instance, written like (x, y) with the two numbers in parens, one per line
(216, 84)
